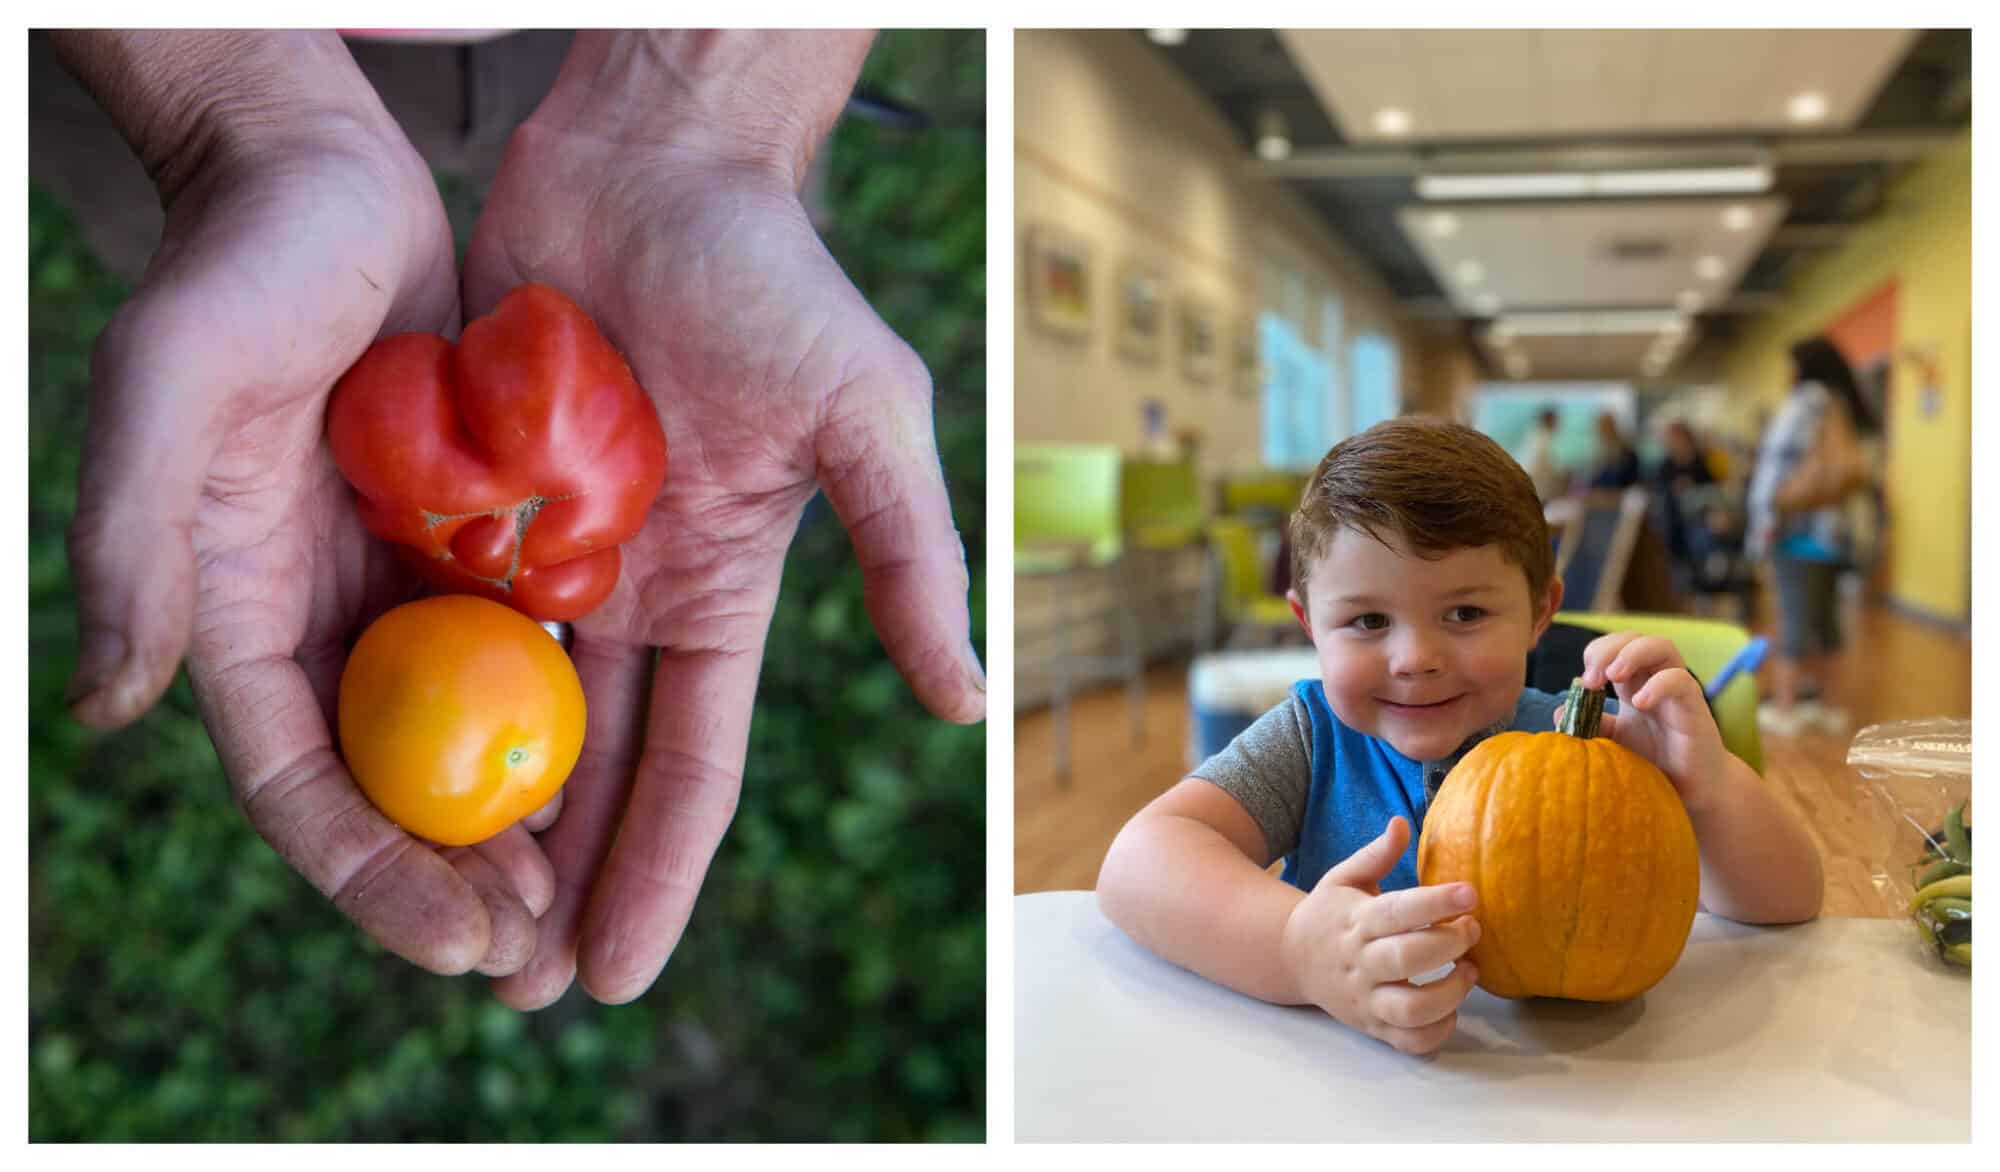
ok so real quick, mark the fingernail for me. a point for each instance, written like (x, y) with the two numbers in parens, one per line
(1463, 896)
(102, 658)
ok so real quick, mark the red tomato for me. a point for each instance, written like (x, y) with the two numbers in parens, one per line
(509, 466)
(459, 717)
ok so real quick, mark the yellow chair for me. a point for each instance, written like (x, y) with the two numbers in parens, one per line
(1707, 645)
(1068, 525)
(1267, 491)
(1246, 604)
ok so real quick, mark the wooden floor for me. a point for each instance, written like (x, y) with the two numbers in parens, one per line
(1896, 668)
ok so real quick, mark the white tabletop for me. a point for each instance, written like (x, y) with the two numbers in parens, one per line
(1834, 1030)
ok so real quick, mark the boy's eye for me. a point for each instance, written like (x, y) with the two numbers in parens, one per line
(1372, 621)
(1465, 614)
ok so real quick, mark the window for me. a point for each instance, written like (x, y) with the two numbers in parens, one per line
(1377, 395)
(1295, 397)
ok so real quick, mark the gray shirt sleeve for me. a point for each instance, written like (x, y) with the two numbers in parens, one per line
(1268, 768)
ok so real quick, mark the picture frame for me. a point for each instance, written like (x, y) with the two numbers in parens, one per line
(1201, 341)
(1141, 310)
(1246, 365)
(1057, 272)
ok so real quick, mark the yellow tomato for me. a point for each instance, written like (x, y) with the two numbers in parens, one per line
(459, 717)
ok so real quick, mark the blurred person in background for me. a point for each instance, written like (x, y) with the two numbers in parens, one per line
(1815, 462)
(1617, 460)
(1538, 456)
(1680, 478)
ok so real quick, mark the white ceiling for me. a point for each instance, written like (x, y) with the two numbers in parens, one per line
(1567, 255)
(1536, 83)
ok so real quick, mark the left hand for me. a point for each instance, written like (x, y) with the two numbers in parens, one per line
(773, 378)
(1662, 714)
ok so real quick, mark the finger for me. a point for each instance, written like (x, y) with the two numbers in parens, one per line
(1598, 654)
(1416, 908)
(1407, 955)
(1421, 1040)
(1663, 688)
(683, 799)
(276, 750)
(879, 466)
(1367, 867)
(545, 817)
(146, 451)
(614, 677)
(511, 931)
(519, 859)
(1642, 658)
(1411, 1007)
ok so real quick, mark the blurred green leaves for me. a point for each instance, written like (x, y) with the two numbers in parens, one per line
(185, 985)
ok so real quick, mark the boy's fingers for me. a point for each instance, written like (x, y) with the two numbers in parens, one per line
(1417, 908)
(1408, 955)
(1421, 1040)
(1368, 866)
(1600, 652)
(1665, 686)
(1414, 1007)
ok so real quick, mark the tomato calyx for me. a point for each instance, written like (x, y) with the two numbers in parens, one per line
(523, 513)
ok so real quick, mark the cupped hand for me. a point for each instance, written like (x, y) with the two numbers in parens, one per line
(1662, 714)
(212, 524)
(773, 379)
(1353, 949)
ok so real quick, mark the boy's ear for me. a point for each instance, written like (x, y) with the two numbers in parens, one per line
(1552, 604)
(1299, 611)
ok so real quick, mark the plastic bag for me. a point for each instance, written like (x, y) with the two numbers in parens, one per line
(1921, 773)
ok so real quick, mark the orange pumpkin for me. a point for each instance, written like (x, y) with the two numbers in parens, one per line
(1581, 852)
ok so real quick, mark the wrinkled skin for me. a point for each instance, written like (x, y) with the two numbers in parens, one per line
(773, 377)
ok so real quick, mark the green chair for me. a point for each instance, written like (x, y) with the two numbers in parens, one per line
(1707, 645)
(1068, 527)
(1164, 519)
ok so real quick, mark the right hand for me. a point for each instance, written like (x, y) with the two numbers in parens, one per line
(211, 522)
(1352, 949)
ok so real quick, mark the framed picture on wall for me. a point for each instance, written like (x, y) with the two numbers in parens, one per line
(1058, 276)
(1142, 312)
(1246, 371)
(1201, 341)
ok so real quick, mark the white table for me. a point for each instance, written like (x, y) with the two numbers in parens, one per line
(1834, 1030)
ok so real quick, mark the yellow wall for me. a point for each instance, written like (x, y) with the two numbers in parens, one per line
(1922, 240)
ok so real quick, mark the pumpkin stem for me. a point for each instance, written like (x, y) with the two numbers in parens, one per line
(1582, 709)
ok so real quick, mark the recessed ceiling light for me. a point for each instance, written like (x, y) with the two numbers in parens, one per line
(1443, 225)
(1166, 36)
(1392, 121)
(1487, 304)
(1806, 107)
(1471, 272)
(1690, 301)
(1738, 217)
(1709, 268)
(1274, 138)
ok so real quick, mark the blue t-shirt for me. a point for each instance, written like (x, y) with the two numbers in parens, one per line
(1359, 782)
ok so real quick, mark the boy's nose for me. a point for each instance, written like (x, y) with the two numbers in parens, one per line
(1415, 656)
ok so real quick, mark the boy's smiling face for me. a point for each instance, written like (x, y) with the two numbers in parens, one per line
(1422, 652)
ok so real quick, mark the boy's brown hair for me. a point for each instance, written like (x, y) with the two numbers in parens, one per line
(1439, 486)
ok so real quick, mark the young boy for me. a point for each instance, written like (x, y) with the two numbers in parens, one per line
(1421, 569)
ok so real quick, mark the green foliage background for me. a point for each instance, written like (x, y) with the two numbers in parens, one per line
(185, 985)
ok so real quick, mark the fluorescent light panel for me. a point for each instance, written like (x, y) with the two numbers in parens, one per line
(1607, 322)
(1577, 184)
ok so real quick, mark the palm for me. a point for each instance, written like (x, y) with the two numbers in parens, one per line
(772, 377)
(211, 517)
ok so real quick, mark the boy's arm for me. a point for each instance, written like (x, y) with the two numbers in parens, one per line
(1188, 876)
(1759, 864)
(1183, 879)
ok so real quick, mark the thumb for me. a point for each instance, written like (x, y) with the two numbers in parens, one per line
(1367, 867)
(147, 446)
(879, 466)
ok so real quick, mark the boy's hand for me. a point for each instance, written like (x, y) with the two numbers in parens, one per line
(1663, 716)
(1353, 950)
